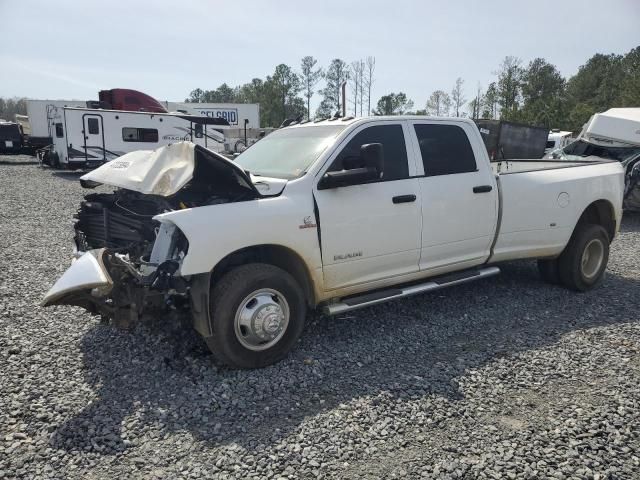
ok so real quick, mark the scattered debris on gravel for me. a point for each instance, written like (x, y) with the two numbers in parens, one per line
(504, 378)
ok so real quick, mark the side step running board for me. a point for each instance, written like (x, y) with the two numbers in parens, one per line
(435, 283)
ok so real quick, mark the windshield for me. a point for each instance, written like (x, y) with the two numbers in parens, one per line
(580, 149)
(289, 152)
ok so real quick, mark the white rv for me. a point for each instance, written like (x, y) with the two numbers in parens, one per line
(87, 138)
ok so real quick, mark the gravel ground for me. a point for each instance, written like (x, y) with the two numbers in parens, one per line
(505, 378)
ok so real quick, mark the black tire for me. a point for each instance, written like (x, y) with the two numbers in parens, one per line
(574, 274)
(55, 161)
(549, 271)
(227, 298)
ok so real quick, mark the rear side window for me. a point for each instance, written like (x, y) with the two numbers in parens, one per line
(93, 126)
(445, 149)
(391, 137)
(59, 130)
(146, 135)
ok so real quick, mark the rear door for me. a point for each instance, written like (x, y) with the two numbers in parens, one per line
(458, 194)
(93, 131)
(371, 231)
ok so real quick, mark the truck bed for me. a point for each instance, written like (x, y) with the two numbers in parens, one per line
(541, 201)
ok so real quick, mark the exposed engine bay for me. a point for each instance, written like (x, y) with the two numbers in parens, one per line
(126, 260)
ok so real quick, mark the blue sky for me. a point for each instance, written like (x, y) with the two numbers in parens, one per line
(71, 49)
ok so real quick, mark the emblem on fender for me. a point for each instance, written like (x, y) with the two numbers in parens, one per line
(307, 223)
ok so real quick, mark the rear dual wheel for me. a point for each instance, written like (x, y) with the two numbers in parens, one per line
(582, 264)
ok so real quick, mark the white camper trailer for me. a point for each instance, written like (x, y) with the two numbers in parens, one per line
(87, 138)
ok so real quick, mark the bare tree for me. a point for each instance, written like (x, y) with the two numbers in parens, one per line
(368, 80)
(310, 78)
(438, 104)
(475, 105)
(362, 69)
(355, 82)
(457, 96)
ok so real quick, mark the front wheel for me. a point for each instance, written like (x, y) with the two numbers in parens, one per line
(584, 260)
(258, 314)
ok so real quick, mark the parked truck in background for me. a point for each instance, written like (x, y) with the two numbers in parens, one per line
(558, 139)
(11, 137)
(335, 215)
(615, 135)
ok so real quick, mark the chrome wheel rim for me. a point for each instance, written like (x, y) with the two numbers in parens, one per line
(592, 258)
(261, 319)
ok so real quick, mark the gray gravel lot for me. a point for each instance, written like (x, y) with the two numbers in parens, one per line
(505, 378)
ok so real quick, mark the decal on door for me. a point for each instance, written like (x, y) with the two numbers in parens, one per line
(347, 256)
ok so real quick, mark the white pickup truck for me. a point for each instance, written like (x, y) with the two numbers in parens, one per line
(337, 214)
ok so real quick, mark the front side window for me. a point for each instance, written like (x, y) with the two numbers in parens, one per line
(445, 150)
(93, 125)
(145, 135)
(396, 166)
(59, 130)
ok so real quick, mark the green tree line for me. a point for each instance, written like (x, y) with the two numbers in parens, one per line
(535, 93)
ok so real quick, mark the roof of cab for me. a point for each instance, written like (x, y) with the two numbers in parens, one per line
(358, 120)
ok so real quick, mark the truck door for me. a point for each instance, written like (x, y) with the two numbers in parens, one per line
(459, 196)
(93, 131)
(371, 231)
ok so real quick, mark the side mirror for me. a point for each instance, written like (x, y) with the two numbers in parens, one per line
(373, 156)
(369, 167)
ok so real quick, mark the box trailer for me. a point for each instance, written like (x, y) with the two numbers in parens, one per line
(87, 138)
(42, 115)
(512, 140)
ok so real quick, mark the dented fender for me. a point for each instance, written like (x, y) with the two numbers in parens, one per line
(86, 274)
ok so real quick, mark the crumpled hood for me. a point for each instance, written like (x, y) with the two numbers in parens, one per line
(158, 172)
(168, 169)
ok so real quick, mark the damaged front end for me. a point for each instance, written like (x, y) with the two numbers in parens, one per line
(127, 262)
(109, 284)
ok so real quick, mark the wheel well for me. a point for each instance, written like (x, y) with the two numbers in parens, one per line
(600, 212)
(276, 255)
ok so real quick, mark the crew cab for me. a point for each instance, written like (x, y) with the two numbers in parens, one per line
(335, 215)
